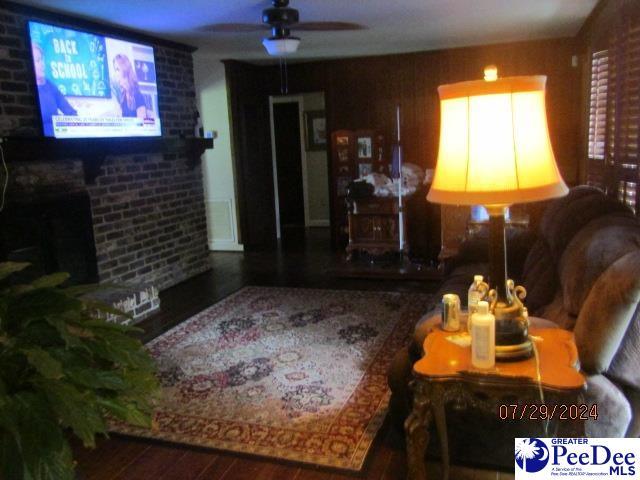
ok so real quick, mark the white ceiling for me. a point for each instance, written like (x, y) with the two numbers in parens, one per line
(392, 26)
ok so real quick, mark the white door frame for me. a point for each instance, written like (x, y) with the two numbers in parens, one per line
(303, 156)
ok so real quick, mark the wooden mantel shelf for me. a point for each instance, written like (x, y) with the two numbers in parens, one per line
(92, 151)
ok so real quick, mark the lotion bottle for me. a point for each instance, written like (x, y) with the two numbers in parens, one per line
(476, 292)
(483, 337)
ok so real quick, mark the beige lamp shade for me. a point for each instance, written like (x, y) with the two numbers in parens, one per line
(494, 144)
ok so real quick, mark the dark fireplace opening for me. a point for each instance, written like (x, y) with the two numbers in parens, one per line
(54, 234)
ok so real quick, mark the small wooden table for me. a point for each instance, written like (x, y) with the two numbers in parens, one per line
(445, 374)
(374, 226)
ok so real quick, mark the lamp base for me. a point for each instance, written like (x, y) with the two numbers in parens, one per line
(512, 319)
(506, 353)
(512, 333)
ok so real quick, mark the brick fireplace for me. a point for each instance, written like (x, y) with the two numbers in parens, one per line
(146, 210)
(53, 233)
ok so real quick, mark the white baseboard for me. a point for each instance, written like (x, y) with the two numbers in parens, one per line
(218, 246)
(318, 223)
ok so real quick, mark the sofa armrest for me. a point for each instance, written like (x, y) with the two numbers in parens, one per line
(614, 410)
(424, 326)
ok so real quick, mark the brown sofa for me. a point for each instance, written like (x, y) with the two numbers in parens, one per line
(583, 273)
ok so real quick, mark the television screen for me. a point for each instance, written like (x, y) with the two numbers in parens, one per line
(91, 86)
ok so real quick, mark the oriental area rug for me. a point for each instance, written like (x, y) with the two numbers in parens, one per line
(288, 373)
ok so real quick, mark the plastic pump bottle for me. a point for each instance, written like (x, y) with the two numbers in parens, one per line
(474, 295)
(483, 337)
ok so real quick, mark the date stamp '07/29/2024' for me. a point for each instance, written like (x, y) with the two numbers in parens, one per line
(542, 411)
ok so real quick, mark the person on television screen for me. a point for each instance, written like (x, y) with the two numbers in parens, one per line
(131, 100)
(52, 101)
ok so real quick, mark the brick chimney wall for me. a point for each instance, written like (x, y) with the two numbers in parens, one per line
(148, 209)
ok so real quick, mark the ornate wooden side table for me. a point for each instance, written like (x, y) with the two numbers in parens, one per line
(374, 226)
(445, 375)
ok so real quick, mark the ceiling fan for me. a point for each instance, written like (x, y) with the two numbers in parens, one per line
(281, 19)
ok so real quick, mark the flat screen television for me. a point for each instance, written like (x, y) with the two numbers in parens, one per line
(92, 86)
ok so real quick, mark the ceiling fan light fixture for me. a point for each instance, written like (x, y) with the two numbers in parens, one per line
(281, 46)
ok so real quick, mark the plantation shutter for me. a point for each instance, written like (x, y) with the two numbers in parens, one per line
(598, 117)
(623, 111)
(614, 115)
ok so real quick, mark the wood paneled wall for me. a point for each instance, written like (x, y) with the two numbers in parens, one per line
(362, 92)
(248, 90)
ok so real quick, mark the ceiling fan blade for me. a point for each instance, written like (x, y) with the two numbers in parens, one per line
(233, 27)
(327, 26)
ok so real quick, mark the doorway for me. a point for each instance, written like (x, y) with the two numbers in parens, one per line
(288, 165)
(300, 177)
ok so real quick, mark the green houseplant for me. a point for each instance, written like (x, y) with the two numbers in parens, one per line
(62, 370)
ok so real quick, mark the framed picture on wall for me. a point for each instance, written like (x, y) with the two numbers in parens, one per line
(316, 130)
(364, 169)
(342, 141)
(365, 147)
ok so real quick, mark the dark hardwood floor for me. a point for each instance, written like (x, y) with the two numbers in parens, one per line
(302, 261)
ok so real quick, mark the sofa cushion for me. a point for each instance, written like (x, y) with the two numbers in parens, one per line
(549, 221)
(574, 216)
(625, 366)
(558, 204)
(633, 396)
(556, 313)
(539, 277)
(614, 410)
(460, 279)
(603, 326)
(593, 249)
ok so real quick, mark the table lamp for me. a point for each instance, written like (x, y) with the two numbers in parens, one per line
(495, 151)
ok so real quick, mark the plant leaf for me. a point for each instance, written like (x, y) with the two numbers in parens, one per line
(66, 331)
(57, 465)
(75, 410)
(49, 281)
(90, 377)
(79, 290)
(45, 364)
(40, 303)
(7, 268)
(121, 350)
(36, 333)
(40, 439)
(10, 466)
(118, 327)
(127, 411)
(15, 290)
(60, 367)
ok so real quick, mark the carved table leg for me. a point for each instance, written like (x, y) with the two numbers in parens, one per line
(417, 431)
(438, 402)
(349, 251)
